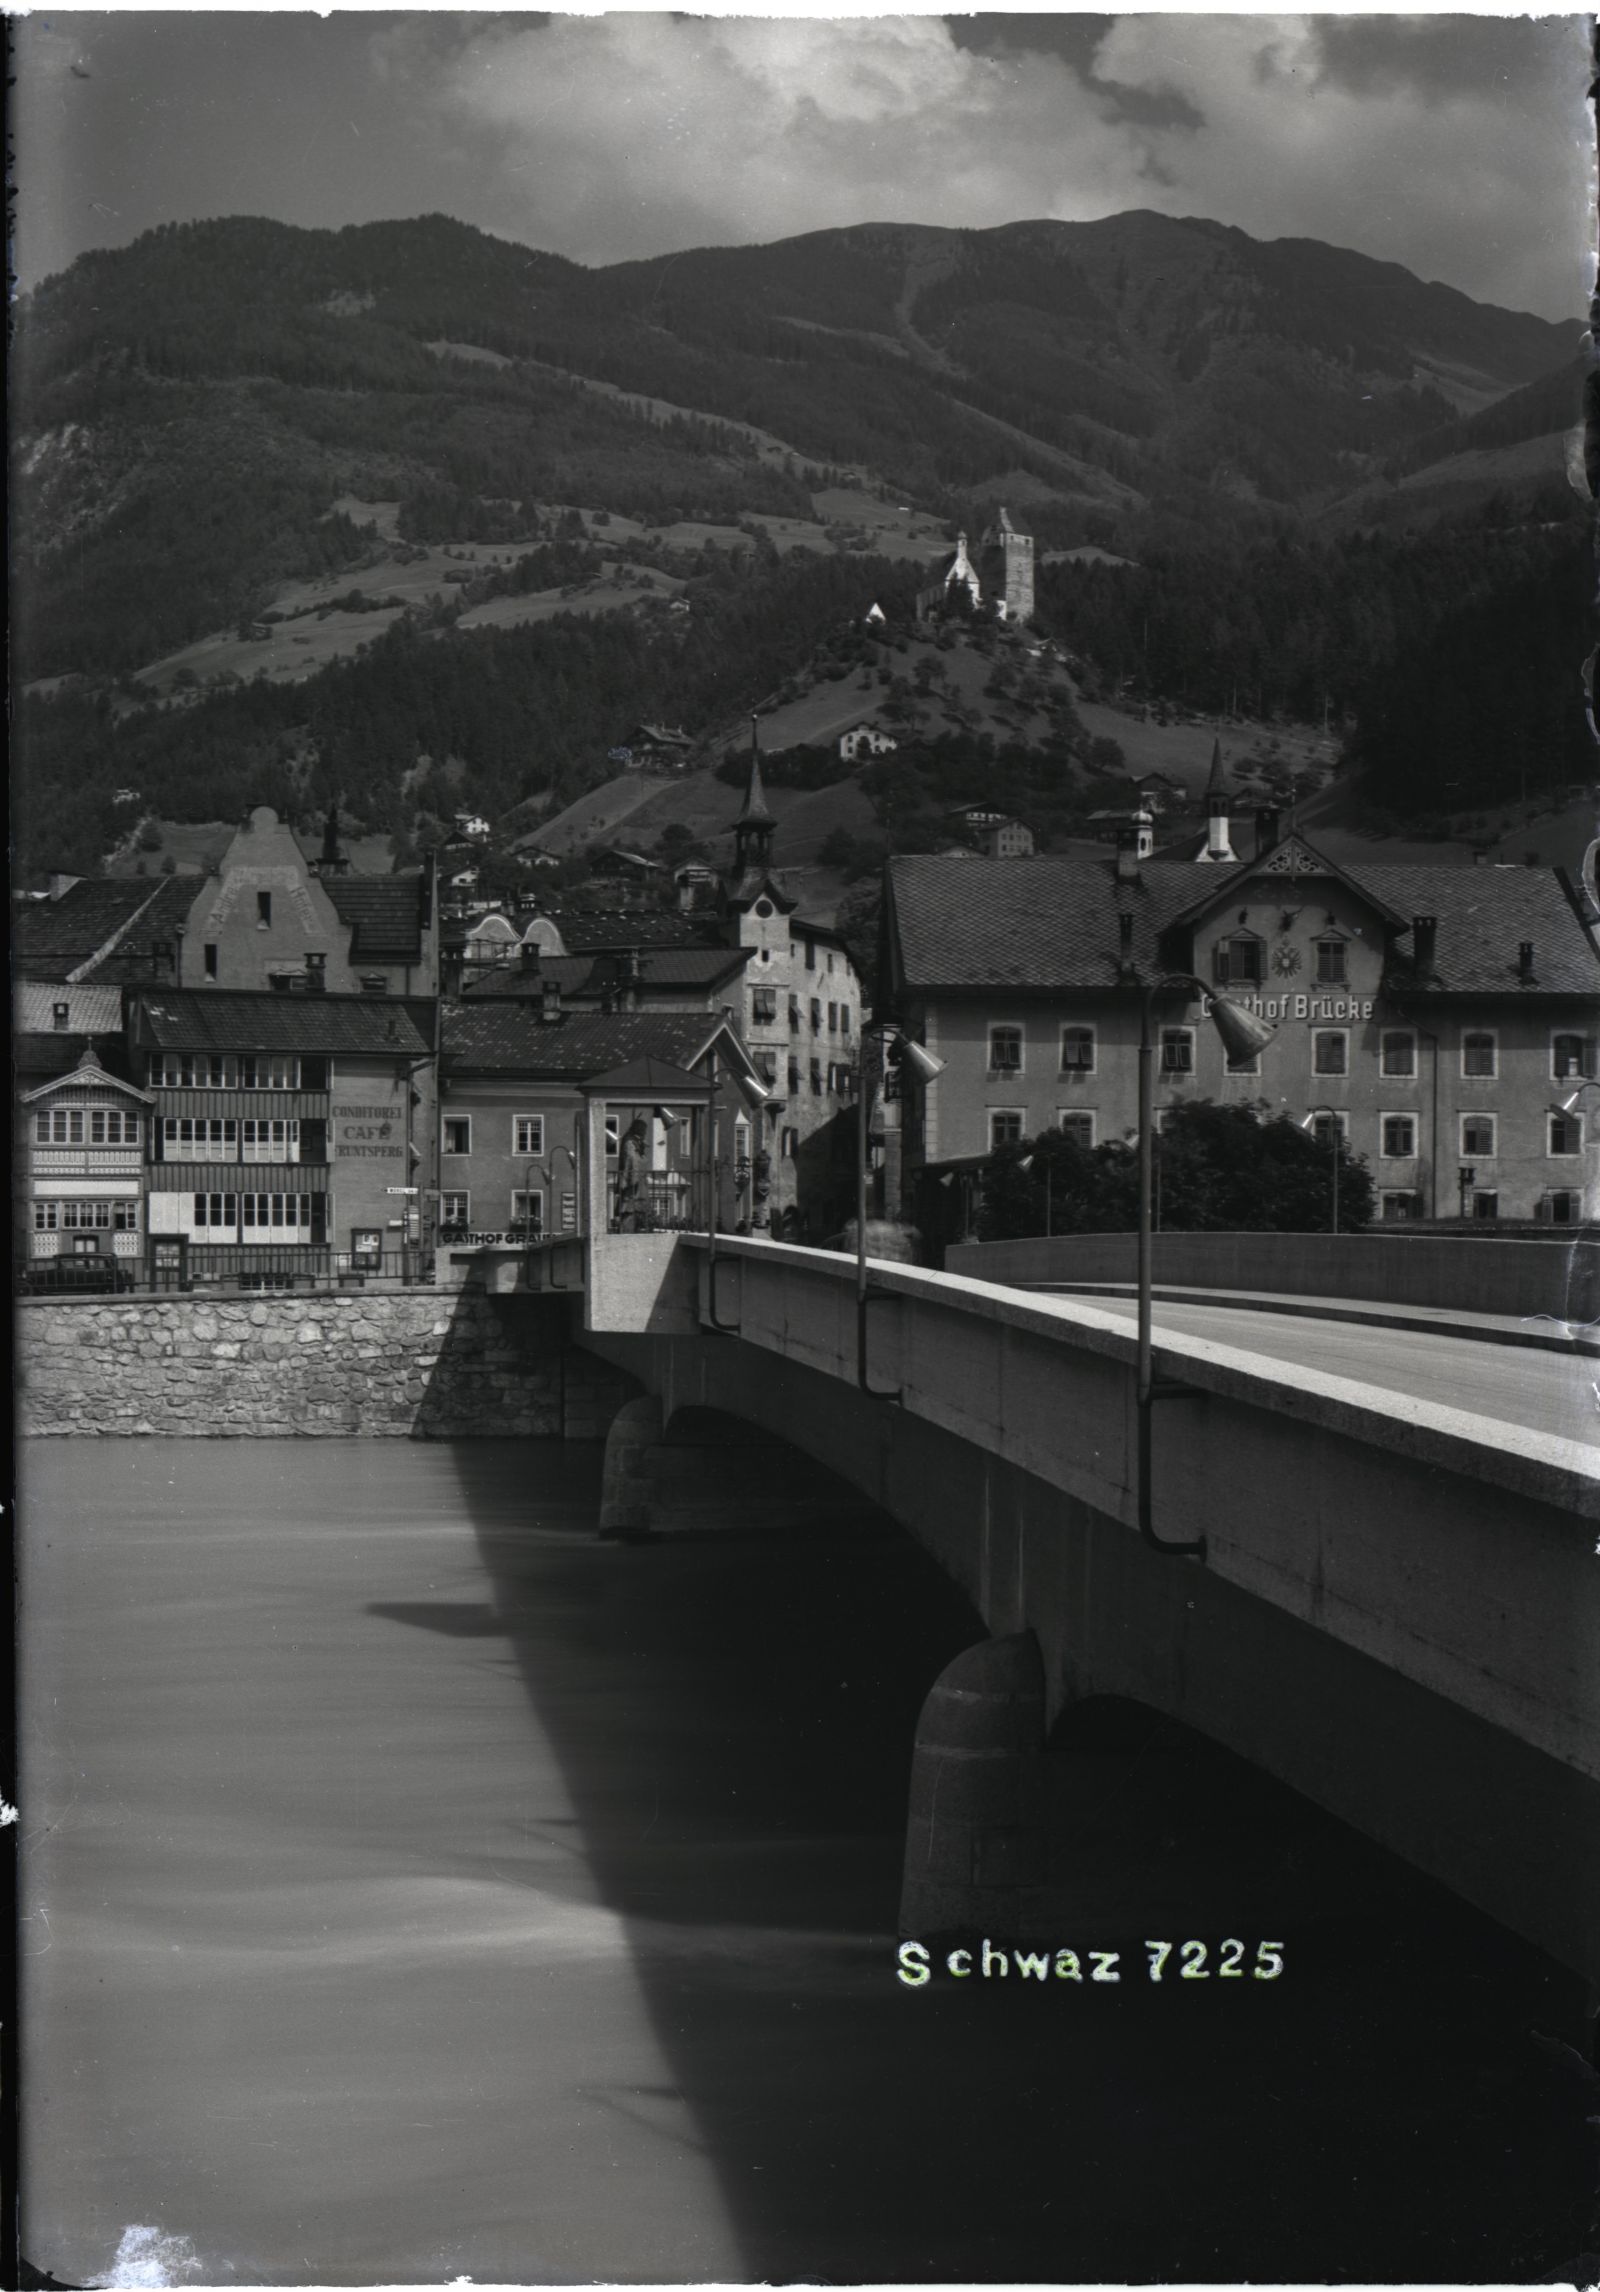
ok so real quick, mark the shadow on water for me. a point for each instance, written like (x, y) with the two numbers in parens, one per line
(734, 1716)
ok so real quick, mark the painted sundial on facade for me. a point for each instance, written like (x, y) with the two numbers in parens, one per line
(1286, 960)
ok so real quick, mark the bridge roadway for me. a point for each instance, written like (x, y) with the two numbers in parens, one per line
(1541, 1392)
(1399, 1609)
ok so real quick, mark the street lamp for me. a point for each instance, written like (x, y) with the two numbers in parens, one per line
(1310, 1123)
(1027, 1163)
(903, 1051)
(1243, 1035)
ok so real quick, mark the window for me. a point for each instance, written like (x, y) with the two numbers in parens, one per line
(62, 1126)
(790, 1145)
(527, 1134)
(1177, 1050)
(209, 952)
(269, 1141)
(816, 1015)
(263, 910)
(215, 1211)
(458, 1134)
(816, 1078)
(833, 1018)
(764, 1006)
(374, 982)
(60, 1014)
(766, 1064)
(1477, 1134)
(1077, 1050)
(1078, 1127)
(1397, 1053)
(1005, 1126)
(1399, 1137)
(46, 1217)
(275, 1071)
(811, 954)
(1570, 1057)
(1398, 1208)
(830, 964)
(794, 1076)
(1330, 1051)
(1479, 1054)
(1005, 1050)
(527, 1209)
(1325, 1127)
(1485, 1205)
(1566, 1134)
(844, 1018)
(794, 1014)
(194, 1138)
(1239, 961)
(274, 1213)
(1564, 1207)
(111, 1128)
(455, 1210)
(613, 1135)
(1330, 963)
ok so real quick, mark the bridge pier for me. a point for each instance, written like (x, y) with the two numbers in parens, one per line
(975, 1847)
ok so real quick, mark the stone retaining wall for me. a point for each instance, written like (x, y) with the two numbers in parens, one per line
(429, 1366)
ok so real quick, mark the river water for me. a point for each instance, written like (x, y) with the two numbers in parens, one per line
(416, 1887)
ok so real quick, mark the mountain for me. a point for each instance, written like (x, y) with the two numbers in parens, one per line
(247, 455)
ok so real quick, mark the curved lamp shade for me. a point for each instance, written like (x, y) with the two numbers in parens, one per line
(1243, 1034)
(922, 1063)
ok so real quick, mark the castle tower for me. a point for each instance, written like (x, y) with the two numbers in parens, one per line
(1218, 847)
(1008, 559)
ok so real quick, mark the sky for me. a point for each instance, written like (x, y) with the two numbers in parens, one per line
(1456, 145)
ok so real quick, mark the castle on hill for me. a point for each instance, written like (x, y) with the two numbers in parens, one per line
(1002, 572)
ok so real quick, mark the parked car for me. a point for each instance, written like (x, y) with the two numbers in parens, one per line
(86, 1271)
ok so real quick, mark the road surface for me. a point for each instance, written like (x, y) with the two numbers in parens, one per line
(1543, 1392)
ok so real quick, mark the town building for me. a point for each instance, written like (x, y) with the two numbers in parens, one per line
(1437, 1015)
(291, 1136)
(866, 740)
(514, 1071)
(79, 1157)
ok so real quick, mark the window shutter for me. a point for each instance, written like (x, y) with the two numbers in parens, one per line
(1219, 962)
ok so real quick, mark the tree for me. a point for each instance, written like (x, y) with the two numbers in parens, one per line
(1219, 1169)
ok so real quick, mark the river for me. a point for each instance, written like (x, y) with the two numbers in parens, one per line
(416, 1887)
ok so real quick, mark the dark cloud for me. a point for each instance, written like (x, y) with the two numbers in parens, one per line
(1074, 41)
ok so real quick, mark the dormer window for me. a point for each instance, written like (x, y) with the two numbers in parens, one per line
(60, 1015)
(1239, 961)
(263, 911)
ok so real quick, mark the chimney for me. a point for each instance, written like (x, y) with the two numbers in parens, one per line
(528, 955)
(1266, 829)
(632, 971)
(1128, 856)
(1424, 933)
(1525, 971)
(550, 1006)
(1125, 941)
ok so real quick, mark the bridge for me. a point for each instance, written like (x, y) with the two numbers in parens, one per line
(1399, 1605)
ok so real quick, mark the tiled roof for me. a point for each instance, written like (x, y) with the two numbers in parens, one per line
(131, 962)
(633, 927)
(355, 1025)
(386, 911)
(50, 937)
(90, 1010)
(1049, 923)
(1484, 913)
(659, 968)
(511, 1038)
(37, 1058)
(1043, 922)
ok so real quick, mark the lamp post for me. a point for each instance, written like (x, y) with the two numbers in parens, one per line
(1243, 1035)
(1310, 1123)
(1027, 1163)
(901, 1050)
